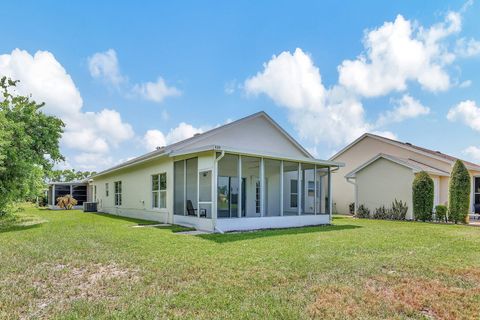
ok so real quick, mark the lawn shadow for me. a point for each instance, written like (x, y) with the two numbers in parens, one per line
(127, 219)
(20, 227)
(250, 235)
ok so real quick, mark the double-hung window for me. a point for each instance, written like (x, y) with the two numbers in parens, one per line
(293, 193)
(106, 189)
(118, 193)
(159, 191)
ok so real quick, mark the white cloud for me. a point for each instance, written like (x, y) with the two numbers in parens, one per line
(466, 112)
(386, 134)
(155, 91)
(104, 65)
(398, 52)
(465, 84)
(294, 82)
(405, 108)
(92, 161)
(155, 138)
(468, 48)
(47, 80)
(473, 152)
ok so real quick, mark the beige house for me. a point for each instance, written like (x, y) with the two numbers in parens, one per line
(248, 174)
(379, 170)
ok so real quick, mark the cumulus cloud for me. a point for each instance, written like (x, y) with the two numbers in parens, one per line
(104, 65)
(467, 48)
(294, 82)
(473, 152)
(466, 112)
(47, 80)
(155, 138)
(405, 108)
(398, 52)
(155, 91)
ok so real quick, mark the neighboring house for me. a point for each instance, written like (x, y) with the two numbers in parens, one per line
(379, 170)
(77, 189)
(248, 174)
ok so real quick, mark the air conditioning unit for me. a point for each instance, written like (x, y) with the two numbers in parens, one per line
(89, 207)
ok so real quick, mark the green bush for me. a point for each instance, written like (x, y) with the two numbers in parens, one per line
(381, 213)
(363, 212)
(422, 189)
(441, 213)
(399, 210)
(351, 207)
(459, 193)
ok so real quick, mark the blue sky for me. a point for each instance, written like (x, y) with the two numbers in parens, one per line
(126, 76)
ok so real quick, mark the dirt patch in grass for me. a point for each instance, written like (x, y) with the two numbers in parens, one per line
(392, 296)
(66, 284)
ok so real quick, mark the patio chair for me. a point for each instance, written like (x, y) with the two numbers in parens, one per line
(191, 211)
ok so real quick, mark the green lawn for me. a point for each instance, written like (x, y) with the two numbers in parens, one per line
(69, 264)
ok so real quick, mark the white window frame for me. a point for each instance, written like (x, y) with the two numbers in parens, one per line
(159, 191)
(118, 195)
(106, 189)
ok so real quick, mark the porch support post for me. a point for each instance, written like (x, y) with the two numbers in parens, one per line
(184, 187)
(299, 189)
(240, 187)
(52, 200)
(71, 191)
(214, 191)
(262, 187)
(330, 198)
(281, 187)
(315, 190)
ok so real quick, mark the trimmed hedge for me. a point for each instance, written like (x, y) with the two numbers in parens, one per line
(422, 196)
(441, 213)
(459, 193)
(363, 212)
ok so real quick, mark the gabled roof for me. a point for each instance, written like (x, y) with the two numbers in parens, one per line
(183, 145)
(409, 163)
(406, 145)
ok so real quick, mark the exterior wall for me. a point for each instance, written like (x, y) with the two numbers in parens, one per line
(364, 150)
(258, 134)
(136, 191)
(383, 181)
(242, 224)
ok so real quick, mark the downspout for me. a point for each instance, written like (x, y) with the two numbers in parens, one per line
(349, 180)
(214, 215)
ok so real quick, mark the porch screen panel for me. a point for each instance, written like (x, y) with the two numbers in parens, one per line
(290, 189)
(272, 187)
(191, 186)
(308, 188)
(80, 194)
(251, 187)
(227, 187)
(179, 185)
(322, 191)
(60, 191)
(205, 192)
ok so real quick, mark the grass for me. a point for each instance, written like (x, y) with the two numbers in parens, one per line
(69, 265)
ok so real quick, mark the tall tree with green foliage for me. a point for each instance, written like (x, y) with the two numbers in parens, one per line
(459, 193)
(422, 189)
(69, 175)
(29, 142)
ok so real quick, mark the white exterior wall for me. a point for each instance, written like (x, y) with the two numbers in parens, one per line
(383, 181)
(137, 191)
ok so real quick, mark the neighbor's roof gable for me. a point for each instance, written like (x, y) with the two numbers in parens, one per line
(420, 150)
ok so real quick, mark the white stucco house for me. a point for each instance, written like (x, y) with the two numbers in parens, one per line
(248, 174)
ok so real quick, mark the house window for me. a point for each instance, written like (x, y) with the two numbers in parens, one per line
(106, 189)
(159, 191)
(293, 193)
(118, 193)
(94, 193)
(311, 188)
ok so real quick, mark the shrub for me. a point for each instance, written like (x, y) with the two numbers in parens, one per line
(399, 210)
(441, 213)
(351, 208)
(381, 213)
(363, 212)
(459, 193)
(422, 189)
(66, 202)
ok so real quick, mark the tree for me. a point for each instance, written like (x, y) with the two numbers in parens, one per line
(69, 175)
(459, 193)
(422, 189)
(29, 141)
